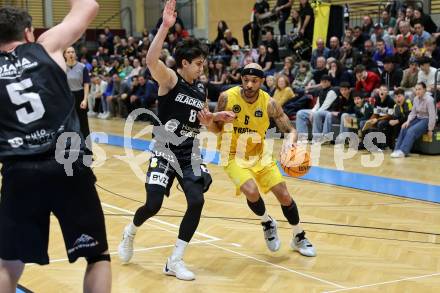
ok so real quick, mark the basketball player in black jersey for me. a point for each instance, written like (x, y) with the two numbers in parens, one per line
(181, 97)
(36, 108)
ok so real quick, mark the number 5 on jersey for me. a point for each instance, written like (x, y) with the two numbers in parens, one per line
(18, 97)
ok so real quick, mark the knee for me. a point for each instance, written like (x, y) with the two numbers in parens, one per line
(196, 203)
(284, 198)
(251, 192)
(11, 270)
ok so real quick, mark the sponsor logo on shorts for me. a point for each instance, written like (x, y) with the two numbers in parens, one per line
(159, 179)
(85, 241)
(16, 142)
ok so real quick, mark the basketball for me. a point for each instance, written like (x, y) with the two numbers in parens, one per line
(299, 162)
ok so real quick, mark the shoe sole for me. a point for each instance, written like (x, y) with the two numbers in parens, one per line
(297, 249)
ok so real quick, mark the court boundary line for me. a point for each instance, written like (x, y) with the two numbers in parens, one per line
(384, 283)
(241, 254)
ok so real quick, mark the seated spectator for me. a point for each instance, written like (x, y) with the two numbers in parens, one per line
(391, 75)
(381, 34)
(367, 25)
(338, 74)
(381, 52)
(405, 33)
(315, 116)
(420, 120)
(346, 104)
(320, 51)
(387, 21)
(420, 35)
(226, 45)
(266, 61)
(271, 45)
(358, 39)
(126, 69)
(318, 72)
(349, 56)
(288, 68)
(334, 48)
(112, 99)
(283, 91)
(383, 110)
(427, 74)
(362, 112)
(270, 84)
(303, 78)
(234, 72)
(409, 79)
(425, 19)
(368, 48)
(180, 33)
(391, 128)
(366, 81)
(217, 80)
(402, 55)
(216, 45)
(145, 95)
(431, 50)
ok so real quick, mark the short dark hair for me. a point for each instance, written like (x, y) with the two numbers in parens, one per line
(345, 84)
(418, 21)
(189, 50)
(399, 91)
(359, 68)
(13, 22)
(388, 59)
(358, 94)
(422, 84)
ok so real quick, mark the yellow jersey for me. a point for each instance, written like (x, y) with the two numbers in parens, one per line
(246, 133)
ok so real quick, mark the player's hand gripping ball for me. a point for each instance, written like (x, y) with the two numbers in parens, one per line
(296, 161)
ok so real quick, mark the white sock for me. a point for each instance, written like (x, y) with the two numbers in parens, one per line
(179, 250)
(297, 229)
(132, 229)
(265, 218)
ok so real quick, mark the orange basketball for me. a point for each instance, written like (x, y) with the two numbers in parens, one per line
(299, 162)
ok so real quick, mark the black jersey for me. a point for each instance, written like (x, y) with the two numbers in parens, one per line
(178, 109)
(36, 105)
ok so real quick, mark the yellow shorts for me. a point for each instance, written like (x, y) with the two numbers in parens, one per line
(266, 176)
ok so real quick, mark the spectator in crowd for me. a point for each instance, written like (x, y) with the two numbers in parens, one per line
(282, 8)
(362, 112)
(217, 80)
(226, 46)
(431, 50)
(271, 45)
(145, 95)
(381, 34)
(402, 55)
(358, 39)
(387, 21)
(115, 95)
(427, 74)
(270, 84)
(420, 120)
(425, 19)
(391, 128)
(338, 74)
(296, 21)
(334, 51)
(320, 51)
(405, 33)
(349, 55)
(266, 61)
(367, 25)
(369, 48)
(410, 77)
(303, 78)
(260, 7)
(289, 69)
(95, 96)
(216, 44)
(420, 35)
(283, 91)
(307, 20)
(366, 81)
(381, 52)
(326, 97)
(234, 74)
(391, 75)
(346, 104)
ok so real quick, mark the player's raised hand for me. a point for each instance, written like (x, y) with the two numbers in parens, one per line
(169, 14)
(224, 116)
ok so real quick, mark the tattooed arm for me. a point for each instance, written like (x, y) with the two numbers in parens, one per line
(283, 123)
(214, 121)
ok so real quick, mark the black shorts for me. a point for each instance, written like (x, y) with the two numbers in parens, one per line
(162, 173)
(30, 191)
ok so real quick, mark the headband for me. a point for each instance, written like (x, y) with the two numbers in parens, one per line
(253, 71)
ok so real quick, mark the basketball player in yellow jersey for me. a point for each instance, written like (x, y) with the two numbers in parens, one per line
(246, 165)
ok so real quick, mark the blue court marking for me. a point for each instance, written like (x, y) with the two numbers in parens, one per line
(396, 187)
(20, 291)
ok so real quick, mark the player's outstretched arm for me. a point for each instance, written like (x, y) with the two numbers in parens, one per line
(165, 76)
(214, 121)
(63, 35)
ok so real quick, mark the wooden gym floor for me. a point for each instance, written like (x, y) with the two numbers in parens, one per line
(366, 242)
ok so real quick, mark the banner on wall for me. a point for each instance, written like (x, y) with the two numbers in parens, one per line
(329, 21)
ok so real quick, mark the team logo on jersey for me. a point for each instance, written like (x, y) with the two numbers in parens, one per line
(16, 142)
(236, 108)
(259, 112)
(171, 125)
